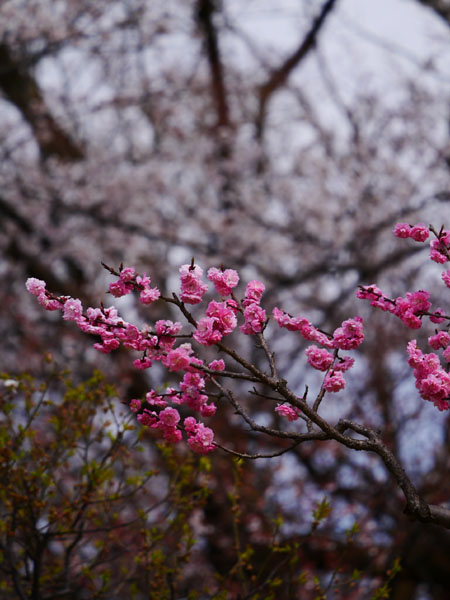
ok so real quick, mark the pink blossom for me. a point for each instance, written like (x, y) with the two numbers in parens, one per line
(440, 340)
(350, 335)
(208, 331)
(167, 327)
(172, 435)
(72, 310)
(344, 364)
(135, 405)
(290, 323)
(253, 292)
(178, 359)
(286, 410)
(143, 281)
(217, 365)
(192, 287)
(334, 381)
(190, 424)
(369, 292)
(35, 286)
(436, 316)
(226, 318)
(411, 320)
(154, 399)
(319, 358)
(142, 363)
(94, 314)
(402, 230)
(149, 295)
(419, 232)
(255, 319)
(224, 281)
(208, 410)
(202, 440)
(147, 418)
(437, 253)
(49, 303)
(446, 278)
(120, 288)
(432, 381)
(169, 417)
(127, 274)
(418, 301)
(108, 345)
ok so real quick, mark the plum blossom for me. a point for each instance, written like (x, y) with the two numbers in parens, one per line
(288, 411)
(73, 310)
(169, 417)
(200, 440)
(350, 335)
(402, 230)
(432, 381)
(420, 232)
(319, 358)
(440, 340)
(224, 281)
(255, 319)
(334, 381)
(192, 287)
(135, 405)
(178, 359)
(35, 286)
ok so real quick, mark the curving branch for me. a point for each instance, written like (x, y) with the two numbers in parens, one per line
(280, 75)
(21, 89)
(319, 429)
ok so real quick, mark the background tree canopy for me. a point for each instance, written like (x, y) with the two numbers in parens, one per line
(283, 139)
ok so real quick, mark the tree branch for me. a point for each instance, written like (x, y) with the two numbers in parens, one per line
(21, 89)
(280, 75)
(205, 11)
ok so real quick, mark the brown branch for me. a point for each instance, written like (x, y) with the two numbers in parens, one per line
(205, 12)
(416, 507)
(20, 88)
(280, 75)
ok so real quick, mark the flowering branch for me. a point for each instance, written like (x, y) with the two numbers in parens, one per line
(169, 412)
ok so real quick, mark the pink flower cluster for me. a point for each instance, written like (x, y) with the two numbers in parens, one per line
(192, 287)
(322, 360)
(166, 421)
(200, 438)
(37, 287)
(303, 326)
(220, 320)
(128, 281)
(254, 315)
(286, 410)
(439, 247)
(156, 345)
(432, 381)
(409, 309)
(418, 232)
(224, 280)
(346, 337)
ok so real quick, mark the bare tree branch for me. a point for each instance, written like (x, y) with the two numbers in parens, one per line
(205, 12)
(20, 88)
(280, 75)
